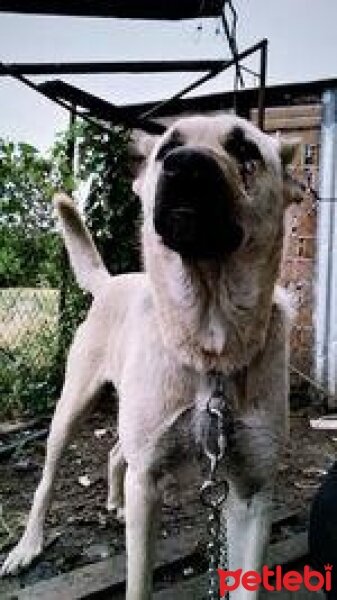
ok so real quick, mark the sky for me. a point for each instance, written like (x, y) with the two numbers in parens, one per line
(302, 47)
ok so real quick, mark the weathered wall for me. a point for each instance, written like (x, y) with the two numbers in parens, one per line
(298, 269)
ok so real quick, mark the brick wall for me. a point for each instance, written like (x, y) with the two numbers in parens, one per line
(298, 267)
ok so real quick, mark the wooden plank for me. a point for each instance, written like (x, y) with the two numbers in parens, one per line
(291, 113)
(326, 422)
(107, 574)
(289, 550)
(91, 580)
(298, 123)
(195, 589)
(302, 594)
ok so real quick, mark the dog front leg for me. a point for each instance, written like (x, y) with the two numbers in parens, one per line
(79, 391)
(141, 512)
(248, 527)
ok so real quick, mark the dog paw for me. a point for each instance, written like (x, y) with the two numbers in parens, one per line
(22, 555)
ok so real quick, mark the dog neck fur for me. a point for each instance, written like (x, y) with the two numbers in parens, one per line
(212, 316)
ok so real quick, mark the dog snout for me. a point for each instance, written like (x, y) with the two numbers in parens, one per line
(195, 206)
(188, 164)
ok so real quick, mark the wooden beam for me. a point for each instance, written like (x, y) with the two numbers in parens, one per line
(326, 422)
(106, 578)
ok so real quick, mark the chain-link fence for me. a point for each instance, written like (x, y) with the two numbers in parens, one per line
(30, 341)
(40, 304)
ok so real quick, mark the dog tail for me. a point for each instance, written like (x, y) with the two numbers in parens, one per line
(85, 260)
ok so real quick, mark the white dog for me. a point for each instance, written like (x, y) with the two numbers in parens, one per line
(213, 191)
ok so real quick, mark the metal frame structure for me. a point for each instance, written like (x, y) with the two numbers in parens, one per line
(131, 9)
(71, 97)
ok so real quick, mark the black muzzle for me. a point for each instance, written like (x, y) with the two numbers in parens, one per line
(194, 206)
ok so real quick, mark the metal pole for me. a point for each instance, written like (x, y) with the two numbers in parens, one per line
(135, 67)
(262, 90)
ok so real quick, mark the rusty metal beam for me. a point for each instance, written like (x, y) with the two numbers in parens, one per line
(98, 108)
(82, 68)
(130, 9)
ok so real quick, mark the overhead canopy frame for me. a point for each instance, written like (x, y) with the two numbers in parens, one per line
(71, 98)
(130, 9)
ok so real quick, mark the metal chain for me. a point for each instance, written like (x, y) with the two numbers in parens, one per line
(213, 548)
(214, 493)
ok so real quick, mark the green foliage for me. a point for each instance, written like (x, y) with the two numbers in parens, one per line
(111, 210)
(28, 247)
(32, 255)
(25, 188)
(29, 375)
(30, 260)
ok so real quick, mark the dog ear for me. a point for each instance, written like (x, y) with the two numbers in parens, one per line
(140, 147)
(293, 190)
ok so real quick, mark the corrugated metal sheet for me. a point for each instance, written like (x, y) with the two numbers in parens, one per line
(131, 9)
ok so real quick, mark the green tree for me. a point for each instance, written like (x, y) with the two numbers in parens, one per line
(111, 210)
(31, 252)
(28, 245)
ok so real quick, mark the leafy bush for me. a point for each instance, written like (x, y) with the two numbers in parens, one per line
(29, 376)
(32, 255)
(111, 211)
(27, 244)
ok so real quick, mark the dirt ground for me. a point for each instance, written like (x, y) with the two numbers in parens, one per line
(79, 528)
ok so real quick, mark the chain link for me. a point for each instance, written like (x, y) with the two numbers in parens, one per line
(214, 494)
(213, 547)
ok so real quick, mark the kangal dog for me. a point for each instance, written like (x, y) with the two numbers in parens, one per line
(213, 191)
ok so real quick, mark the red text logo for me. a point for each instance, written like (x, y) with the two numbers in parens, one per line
(275, 580)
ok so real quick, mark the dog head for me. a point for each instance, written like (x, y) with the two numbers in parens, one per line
(214, 191)
(214, 186)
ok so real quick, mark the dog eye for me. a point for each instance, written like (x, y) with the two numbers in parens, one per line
(250, 165)
(170, 145)
(243, 150)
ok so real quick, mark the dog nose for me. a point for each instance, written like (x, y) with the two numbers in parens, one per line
(194, 205)
(190, 163)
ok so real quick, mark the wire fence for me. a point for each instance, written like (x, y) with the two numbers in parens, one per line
(29, 336)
